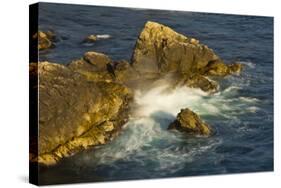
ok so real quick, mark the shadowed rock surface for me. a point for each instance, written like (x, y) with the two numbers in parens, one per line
(189, 122)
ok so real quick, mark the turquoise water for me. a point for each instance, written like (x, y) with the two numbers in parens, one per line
(241, 113)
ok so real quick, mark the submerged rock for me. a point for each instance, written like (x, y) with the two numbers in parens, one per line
(45, 39)
(94, 38)
(189, 122)
(76, 112)
(91, 38)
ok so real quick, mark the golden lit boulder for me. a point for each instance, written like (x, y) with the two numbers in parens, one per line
(189, 122)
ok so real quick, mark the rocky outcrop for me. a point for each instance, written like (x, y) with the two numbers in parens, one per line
(160, 51)
(75, 111)
(45, 39)
(86, 102)
(189, 122)
(94, 66)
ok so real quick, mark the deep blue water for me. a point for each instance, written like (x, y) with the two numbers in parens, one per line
(241, 113)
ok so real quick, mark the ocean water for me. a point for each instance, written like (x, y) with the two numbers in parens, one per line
(241, 112)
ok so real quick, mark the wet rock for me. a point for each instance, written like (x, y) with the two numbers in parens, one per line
(90, 38)
(94, 38)
(45, 39)
(215, 68)
(203, 83)
(189, 122)
(75, 112)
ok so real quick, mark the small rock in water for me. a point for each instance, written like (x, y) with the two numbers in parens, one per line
(91, 38)
(190, 122)
(45, 39)
(94, 38)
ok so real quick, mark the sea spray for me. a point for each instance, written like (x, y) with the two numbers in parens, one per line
(146, 138)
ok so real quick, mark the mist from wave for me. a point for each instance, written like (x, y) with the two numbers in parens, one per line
(146, 143)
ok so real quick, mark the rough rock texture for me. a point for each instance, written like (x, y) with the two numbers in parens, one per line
(124, 72)
(76, 112)
(189, 122)
(45, 39)
(160, 51)
(95, 66)
(86, 103)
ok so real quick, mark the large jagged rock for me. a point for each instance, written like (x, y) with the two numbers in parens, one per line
(76, 112)
(189, 122)
(160, 51)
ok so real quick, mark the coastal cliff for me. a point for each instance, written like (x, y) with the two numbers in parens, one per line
(86, 103)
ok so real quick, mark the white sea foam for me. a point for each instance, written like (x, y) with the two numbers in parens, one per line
(249, 99)
(155, 109)
(104, 36)
(248, 64)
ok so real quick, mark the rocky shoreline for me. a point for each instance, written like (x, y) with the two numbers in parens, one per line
(86, 103)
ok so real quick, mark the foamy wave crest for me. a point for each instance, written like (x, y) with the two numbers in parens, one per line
(158, 99)
(248, 64)
(144, 138)
(104, 36)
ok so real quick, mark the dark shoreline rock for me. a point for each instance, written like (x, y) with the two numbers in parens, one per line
(189, 122)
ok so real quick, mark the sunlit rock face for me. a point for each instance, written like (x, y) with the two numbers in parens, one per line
(76, 112)
(189, 122)
(86, 102)
(160, 51)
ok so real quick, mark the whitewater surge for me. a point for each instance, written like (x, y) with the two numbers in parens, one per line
(145, 139)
